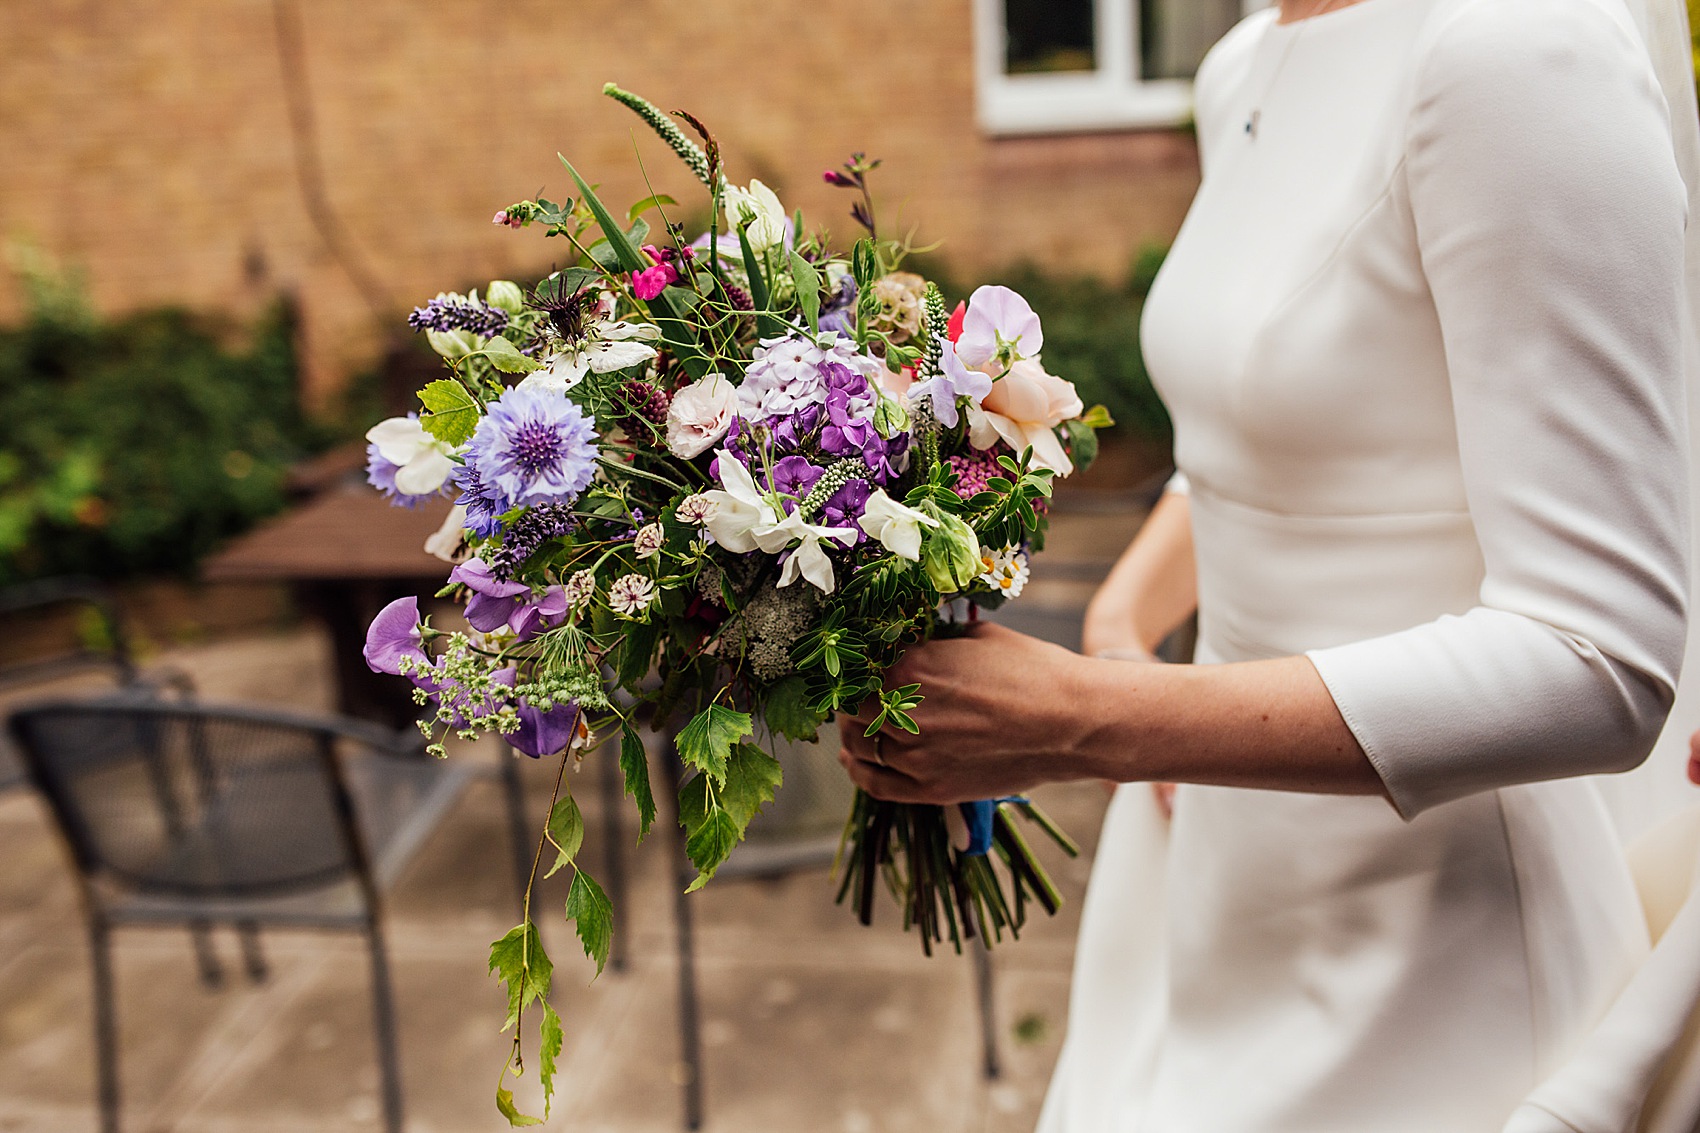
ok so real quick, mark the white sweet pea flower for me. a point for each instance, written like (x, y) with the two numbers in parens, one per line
(759, 207)
(699, 415)
(809, 560)
(737, 508)
(607, 345)
(896, 526)
(423, 464)
(448, 542)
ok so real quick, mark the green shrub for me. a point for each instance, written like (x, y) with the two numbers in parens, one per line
(136, 446)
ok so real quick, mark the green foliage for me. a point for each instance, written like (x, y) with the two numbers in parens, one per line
(524, 969)
(634, 765)
(451, 412)
(548, 1054)
(592, 915)
(706, 742)
(566, 831)
(787, 711)
(139, 445)
(752, 777)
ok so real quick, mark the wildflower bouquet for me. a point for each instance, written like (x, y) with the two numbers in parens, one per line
(734, 478)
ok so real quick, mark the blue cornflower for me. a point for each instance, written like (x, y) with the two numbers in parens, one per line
(484, 503)
(534, 445)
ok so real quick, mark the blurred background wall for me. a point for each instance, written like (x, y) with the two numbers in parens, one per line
(179, 150)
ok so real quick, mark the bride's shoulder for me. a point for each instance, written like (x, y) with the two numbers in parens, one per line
(1502, 42)
(1226, 65)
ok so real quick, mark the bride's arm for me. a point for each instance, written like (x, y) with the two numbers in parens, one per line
(1152, 589)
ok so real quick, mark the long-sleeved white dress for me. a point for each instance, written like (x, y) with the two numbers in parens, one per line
(1420, 336)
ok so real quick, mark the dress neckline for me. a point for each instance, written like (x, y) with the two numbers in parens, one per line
(1334, 17)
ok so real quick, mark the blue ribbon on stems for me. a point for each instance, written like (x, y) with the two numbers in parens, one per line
(979, 817)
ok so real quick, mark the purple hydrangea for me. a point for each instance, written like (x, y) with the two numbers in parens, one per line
(451, 312)
(533, 446)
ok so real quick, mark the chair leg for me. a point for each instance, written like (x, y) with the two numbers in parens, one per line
(988, 1017)
(206, 958)
(383, 1020)
(105, 1024)
(614, 854)
(690, 1027)
(519, 838)
(253, 957)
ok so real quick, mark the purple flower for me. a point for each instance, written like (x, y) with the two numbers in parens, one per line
(534, 445)
(451, 312)
(525, 535)
(844, 507)
(393, 635)
(794, 476)
(791, 433)
(497, 602)
(380, 473)
(839, 314)
(955, 380)
(484, 503)
(789, 373)
(998, 321)
(544, 733)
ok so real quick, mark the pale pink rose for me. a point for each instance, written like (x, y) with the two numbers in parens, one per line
(896, 384)
(1025, 407)
(700, 415)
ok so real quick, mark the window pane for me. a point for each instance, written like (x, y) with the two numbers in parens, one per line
(1175, 34)
(1049, 35)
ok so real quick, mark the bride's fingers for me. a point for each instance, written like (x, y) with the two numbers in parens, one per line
(880, 782)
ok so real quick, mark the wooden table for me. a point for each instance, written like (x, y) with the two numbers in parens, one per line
(346, 553)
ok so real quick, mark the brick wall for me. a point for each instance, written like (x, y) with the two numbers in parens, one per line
(150, 143)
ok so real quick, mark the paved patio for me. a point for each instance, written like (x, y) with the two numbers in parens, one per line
(811, 1022)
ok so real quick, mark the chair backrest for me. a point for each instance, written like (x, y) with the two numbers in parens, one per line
(193, 801)
(111, 653)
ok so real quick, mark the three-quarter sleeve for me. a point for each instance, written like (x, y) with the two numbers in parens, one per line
(1549, 217)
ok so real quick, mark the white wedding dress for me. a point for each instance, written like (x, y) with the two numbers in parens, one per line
(1421, 338)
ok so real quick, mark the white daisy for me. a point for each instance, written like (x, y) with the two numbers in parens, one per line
(1005, 571)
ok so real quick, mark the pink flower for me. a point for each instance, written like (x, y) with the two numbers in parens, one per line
(998, 327)
(652, 281)
(1024, 408)
(699, 415)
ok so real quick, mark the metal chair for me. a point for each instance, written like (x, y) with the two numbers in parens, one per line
(179, 814)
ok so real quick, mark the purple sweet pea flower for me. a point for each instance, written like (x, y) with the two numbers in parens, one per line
(998, 317)
(393, 635)
(943, 389)
(497, 602)
(545, 733)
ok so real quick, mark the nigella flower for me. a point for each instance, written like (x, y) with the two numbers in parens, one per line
(449, 312)
(534, 446)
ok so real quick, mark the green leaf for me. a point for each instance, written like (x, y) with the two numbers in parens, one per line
(788, 713)
(518, 960)
(637, 650)
(451, 412)
(505, 1103)
(548, 1054)
(711, 844)
(626, 253)
(566, 830)
(752, 777)
(706, 742)
(767, 326)
(1083, 444)
(643, 206)
(1097, 418)
(592, 915)
(505, 356)
(634, 763)
(808, 290)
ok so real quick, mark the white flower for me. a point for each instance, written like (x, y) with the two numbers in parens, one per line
(608, 345)
(1006, 571)
(695, 510)
(700, 414)
(649, 541)
(897, 527)
(449, 541)
(759, 207)
(737, 508)
(809, 559)
(631, 594)
(578, 589)
(423, 461)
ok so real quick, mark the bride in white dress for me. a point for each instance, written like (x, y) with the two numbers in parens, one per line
(1422, 338)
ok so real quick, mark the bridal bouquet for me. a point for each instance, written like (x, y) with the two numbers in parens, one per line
(725, 480)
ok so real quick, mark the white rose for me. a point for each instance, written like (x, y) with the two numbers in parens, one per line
(700, 415)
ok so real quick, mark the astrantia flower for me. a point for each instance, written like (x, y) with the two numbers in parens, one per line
(405, 462)
(630, 595)
(579, 589)
(534, 446)
(1006, 571)
(649, 541)
(695, 509)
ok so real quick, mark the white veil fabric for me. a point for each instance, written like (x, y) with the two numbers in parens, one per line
(1643, 798)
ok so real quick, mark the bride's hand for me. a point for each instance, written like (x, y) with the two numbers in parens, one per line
(998, 718)
(1694, 759)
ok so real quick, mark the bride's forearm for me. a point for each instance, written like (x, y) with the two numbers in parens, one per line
(1153, 587)
(1259, 724)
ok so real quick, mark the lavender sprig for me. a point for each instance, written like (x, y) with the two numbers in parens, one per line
(446, 314)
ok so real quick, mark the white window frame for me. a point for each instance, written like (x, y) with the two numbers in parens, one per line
(1112, 97)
